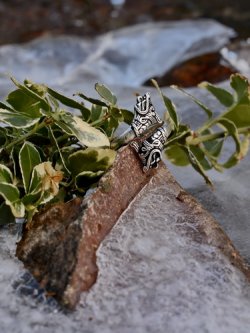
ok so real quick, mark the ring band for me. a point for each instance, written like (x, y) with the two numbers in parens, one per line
(147, 134)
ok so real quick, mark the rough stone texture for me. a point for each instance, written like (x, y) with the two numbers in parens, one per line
(160, 269)
(185, 286)
(229, 201)
(49, 247)
(60, 246)
(160, 278)
(208, 230)
(60, 249)
(126, 57)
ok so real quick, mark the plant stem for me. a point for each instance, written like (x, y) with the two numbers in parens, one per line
(208, 124)
(63, 137)
(213, 121)
(100, 121)
(209, 137)
(36, 128)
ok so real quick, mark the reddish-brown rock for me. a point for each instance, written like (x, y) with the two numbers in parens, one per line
(60, 247)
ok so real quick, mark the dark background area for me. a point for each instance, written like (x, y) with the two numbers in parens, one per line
(23, 20)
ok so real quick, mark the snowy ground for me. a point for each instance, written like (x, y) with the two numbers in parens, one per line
(152, 278)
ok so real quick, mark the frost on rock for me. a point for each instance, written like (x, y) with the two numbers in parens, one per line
(162, 280)
(155, 274)
(158, 271)
(127, 57)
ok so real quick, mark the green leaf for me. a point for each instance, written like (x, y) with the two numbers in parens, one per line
(110, 125)
(223, 96)
(35, 182)
(214, 147)
(59, 150)
(197, 165)
(235, 158)
(5, 107)
(32, 199)
(11, 196)
(14, 155)
(6, 215)
(94, 101)
(195, 100)
(105, 93)
(180, 136)
(128, 116)
(29, 157)
(171, 109)
(39, 89)
(46, 197)
(70, 102)
(97, 111)
(90, 159)
(241, 85)
(169, 105)
(231, 162)
(53, 102)
(43, 104)
(116, 113)
(5, 175)
(40, 140)
(200, 156)
(17, 120)
(239, 115)
(87, 135)
(86, 178)
(3, 136)
(22, 103)
(232, 131)
(176, 155)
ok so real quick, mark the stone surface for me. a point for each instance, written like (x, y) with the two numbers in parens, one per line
(49, 248)
(160, 269)
(116, 56)
(59, 249)
(210, 67)
(127, 57)
(186, 286)
(228, 202)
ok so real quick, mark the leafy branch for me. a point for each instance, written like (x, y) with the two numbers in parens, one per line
(203, 147)
(49, 154)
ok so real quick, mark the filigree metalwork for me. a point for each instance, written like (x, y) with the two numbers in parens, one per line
(150, 149)
(145, 115)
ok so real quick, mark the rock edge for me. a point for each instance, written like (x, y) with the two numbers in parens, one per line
(60, 248)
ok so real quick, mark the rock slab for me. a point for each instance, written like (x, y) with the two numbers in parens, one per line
(125, 57)
(159, 270)
(60, 246)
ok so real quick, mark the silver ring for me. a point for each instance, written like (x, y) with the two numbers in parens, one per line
(150, 149)
(147, 134)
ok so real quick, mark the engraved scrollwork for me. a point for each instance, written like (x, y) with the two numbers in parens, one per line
(145, 115)
(150, 150)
